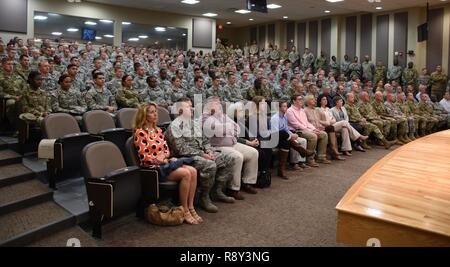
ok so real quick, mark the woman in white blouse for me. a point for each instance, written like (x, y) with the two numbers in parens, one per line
(348, 133)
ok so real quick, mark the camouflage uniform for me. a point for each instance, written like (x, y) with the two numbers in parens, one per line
(197, 91)
(444, 116)
(368, 71)
(70, 102)
(393, 110)
(22, 72)
(49, 82)
(345, 67)
(368, 112)
(425, 80)
(334, 67)
(380, 74)
(114, 85)
(184, 141)
(232, 93)
(354, 116)
(282, 93)
(11, 87)
(275, 54)
(217, 92)
(419, 122)
(438, 84)
(174, 95)
(99, 100)
(126, 98)
(427, 122)
(355, 69)
(426, 109)
(307, 60)
(34, 104)
(394, 74)
(244, 86)
(409, 77)
(293, 57)
(398, 126)
(157, 95)
(264, 91)
(321, 62)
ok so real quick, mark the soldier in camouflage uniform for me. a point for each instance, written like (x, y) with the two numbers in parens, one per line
(398, 126)
(294, 56)
(424, 78)
(78, 80)
(354, 116)
(428, 123)
(11, 88)
(244, 84)
(198, 89)
(232, 90)
(216, 90)
(281, 90)
(67, 100)
(49, 81)
(334, 67)
(394, 72)
(185, 139)
(426, 109)
(419, 122)
(321, 62)
(116, 82)
(23, 68)
(140, 83)
(380, 72)
(440, 113)
(34, 101)
(368, 69)
(368, 112)
(58, 66)
(259, 89)
(438, 83)
(395, 112)
(355, 69)
(126, 96)
(100, 98)
(307, 59)
(176, 92)
(156, 93)
(410, 76)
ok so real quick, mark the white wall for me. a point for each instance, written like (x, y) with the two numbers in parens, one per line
(118, 14)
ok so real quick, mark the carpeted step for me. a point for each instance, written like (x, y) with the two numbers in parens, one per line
(27, 225)
(3, 145)
(8, 157)
(22, 195)
(59, 239)
(14, 173)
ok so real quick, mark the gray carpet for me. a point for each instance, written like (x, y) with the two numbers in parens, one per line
(22, 191)
(60, 238)
(297, 212)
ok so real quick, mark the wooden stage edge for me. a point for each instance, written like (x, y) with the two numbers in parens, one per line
(402, 200)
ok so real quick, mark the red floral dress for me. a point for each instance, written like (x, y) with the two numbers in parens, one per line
(149, 145)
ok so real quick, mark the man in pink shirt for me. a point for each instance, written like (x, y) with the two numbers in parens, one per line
(299, 123)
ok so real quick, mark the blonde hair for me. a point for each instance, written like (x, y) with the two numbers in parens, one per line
(308, 98)
(140, 119)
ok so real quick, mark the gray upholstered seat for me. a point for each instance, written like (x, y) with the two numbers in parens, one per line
(125, 117)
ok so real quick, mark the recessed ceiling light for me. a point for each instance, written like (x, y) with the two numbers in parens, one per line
(334, 1)
(106, 21)
(169, 39)
(39, 17)
(379, 8)
(242, 11)
(190, 2)
(108, 36)
(273, 6)
(53, 14)
(133, 39)
(160, 29)
(172, 28)
(72, 30)
(57, 33)
(210, 14)
(98, 38)
(184, 34)
(74, 1)
(285, 17)
(143, 36)
(228, 22)
(327, 11)
(250, 19)
(126, 23)
(90, 23)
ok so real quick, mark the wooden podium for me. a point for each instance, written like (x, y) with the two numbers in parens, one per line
(403, 200)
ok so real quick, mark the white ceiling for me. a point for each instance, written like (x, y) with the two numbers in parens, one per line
(294, 9)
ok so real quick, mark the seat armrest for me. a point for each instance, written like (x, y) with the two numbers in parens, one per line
(121, 172)
(112, 130)
(150, 185)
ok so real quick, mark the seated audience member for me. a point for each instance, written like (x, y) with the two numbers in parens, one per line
(154, 153)
(237, 113)
(314, 117)
(285, 139)
(343, 127)
(100, 98)
(126, 96)
(340, 114)
(186, 139)
(223, 133)
(67, 100)
(34, 101)
(316, 138)
(445, 102)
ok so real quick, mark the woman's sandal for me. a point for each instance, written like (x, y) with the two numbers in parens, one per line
(195, 215)
(189, 219)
